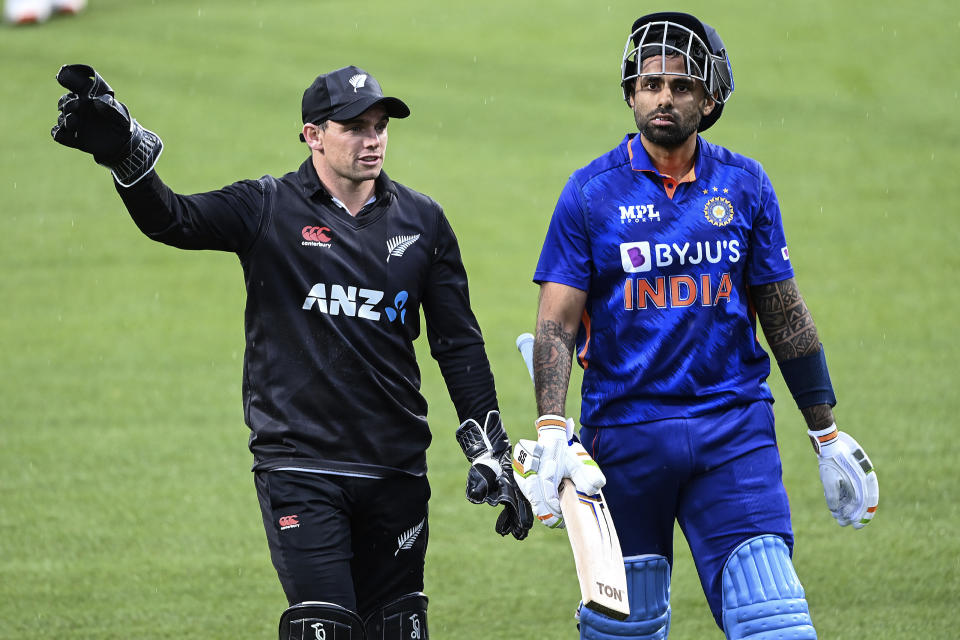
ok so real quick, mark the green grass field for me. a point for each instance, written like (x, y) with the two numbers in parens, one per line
(127, 507)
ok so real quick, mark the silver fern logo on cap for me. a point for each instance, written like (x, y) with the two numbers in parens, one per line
(398, 244)
(357, 81)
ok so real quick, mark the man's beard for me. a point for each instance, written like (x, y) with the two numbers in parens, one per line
(668, 137)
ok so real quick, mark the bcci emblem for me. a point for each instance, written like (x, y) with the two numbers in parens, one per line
(719, 211)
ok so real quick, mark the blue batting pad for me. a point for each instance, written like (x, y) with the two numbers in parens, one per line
(648, 591)
(762, 596)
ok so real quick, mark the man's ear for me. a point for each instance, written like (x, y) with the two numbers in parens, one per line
(709, 104)
(313, 136)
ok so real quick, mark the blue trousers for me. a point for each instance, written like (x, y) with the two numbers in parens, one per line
(717, 475)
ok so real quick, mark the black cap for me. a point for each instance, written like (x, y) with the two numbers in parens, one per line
(344, 94)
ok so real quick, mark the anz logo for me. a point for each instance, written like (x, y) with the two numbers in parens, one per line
(354, 302)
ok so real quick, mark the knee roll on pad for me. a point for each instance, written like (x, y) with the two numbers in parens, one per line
(648, 591)
(762, 596)
(403, 619)
(310, 620)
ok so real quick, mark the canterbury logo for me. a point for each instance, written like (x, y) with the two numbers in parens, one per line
(408, 537)
(358, 81)
(316, 234)
(289, 522)
(398, 244)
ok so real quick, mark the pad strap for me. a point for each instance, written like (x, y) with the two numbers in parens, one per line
(320, 620)
(403, 619)
(808, 380)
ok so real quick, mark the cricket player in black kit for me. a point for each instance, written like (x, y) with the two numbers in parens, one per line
(339, 261)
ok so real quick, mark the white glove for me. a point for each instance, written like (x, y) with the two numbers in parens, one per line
(538, 468)
(849, 480)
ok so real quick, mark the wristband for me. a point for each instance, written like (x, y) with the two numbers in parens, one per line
(808, 380)
(823, 437)
(550, 421)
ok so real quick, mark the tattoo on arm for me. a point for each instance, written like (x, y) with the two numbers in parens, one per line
(785, 320)
(790, 332)
(552, 359)
(819, 416)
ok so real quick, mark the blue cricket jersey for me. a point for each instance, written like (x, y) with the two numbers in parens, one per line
(668, 330)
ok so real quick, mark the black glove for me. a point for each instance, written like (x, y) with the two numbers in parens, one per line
(91, 120)
(490, 478)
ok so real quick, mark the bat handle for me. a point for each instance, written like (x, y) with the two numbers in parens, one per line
(525, 345)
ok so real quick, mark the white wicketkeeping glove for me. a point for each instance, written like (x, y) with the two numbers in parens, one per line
(849, 480)
(538, 468)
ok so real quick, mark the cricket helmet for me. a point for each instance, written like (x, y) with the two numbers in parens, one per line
(679, 34)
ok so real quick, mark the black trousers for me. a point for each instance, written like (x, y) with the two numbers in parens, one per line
(356, 542)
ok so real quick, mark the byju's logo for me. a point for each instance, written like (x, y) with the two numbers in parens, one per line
(398, 308)
(635, 257)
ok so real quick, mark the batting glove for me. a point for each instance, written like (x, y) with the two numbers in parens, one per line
(91, 120)
(849, 480)
(538, 468)
(490, 479)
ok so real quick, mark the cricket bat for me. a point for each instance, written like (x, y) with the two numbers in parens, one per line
(593, 538)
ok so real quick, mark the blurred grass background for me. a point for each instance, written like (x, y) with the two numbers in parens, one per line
(126, 502)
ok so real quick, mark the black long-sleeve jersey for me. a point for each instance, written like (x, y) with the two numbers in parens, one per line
(330, 377)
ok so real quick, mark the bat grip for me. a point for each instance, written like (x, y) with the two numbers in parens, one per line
(525, 346)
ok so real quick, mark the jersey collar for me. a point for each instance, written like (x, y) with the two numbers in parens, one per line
(311, 185)
(640, 161)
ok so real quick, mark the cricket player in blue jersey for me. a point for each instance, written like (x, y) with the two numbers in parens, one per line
(659, 259)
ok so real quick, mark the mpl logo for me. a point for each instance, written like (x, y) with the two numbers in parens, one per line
(638, 213)
(635, 257)
(289, 522)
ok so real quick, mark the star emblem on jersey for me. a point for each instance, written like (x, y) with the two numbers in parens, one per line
(718, 211)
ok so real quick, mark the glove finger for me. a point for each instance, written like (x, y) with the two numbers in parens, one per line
(67, 99)
(549, 479)
(64, 131)
(83, 80)
(505, 521)
(480, 481)
(588, 480)
(508, 522)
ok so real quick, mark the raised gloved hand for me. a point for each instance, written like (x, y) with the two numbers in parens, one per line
(91, 120)
(849, 480)
(490, 479)
(539, 467)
